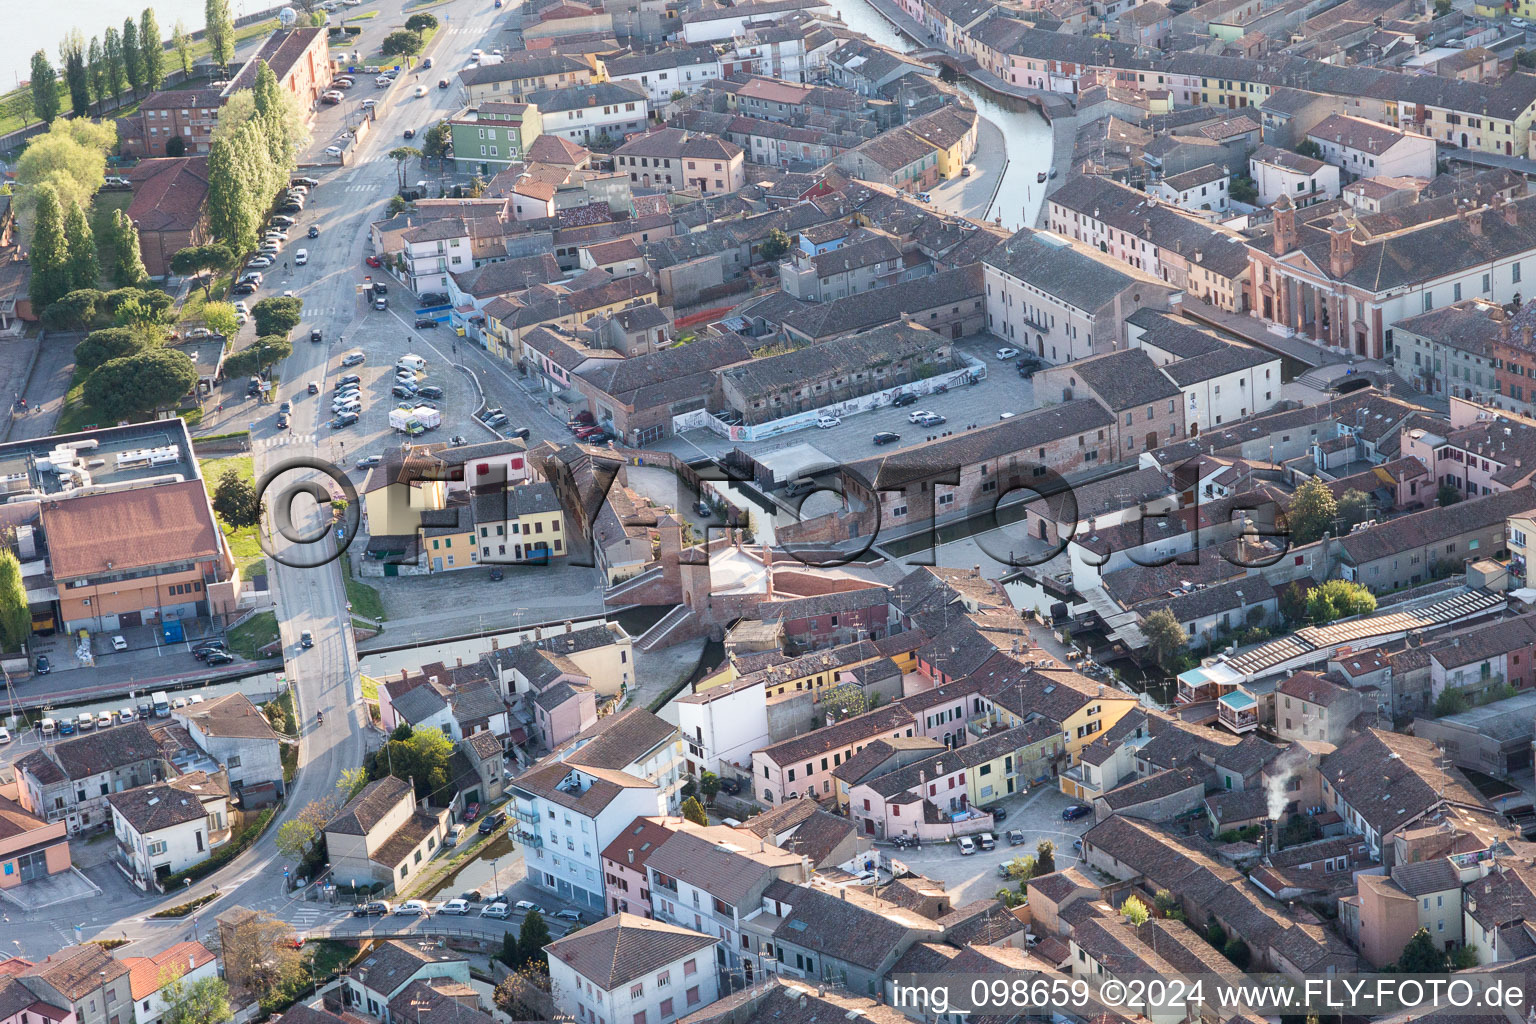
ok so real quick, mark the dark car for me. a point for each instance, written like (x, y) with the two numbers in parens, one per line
(492, 822)
(219, 658)
(350, 378)
(887, 437)
(314, 335)
(1076, 811)
(243, 288)
(496, 575)
(731, 786)
(601, 437)
(703, 509)
(306, 182)
(43, 665)
(314, 232)
(380, 288)
(442, 83)
(905, 398)
(409, 133)
(368, 909)
(306, 639)
(282, 421)
(471, 896)
(425, 323)
(999, 813)
(345, 419)
(431, 391)
(1015, 837)
(403, 391)
(282, 222)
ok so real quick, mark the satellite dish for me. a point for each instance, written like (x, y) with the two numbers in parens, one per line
(287, 16)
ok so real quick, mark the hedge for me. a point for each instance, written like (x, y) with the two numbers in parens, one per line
(222, 437)
(224, 854)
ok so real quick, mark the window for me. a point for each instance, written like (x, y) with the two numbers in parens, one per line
(693, 994)
(636, 991)
(666, 1008)
(690, 969)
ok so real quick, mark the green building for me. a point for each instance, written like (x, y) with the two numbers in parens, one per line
(489, 137)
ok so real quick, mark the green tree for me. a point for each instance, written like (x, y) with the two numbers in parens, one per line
(83, 269)
(437, 142)
(1337, 599)
(1312, 510)
(1244, 189)
(525, 993)
(72, 53)
(1165, 633)
(401, 42)
(15, 618)
(277, 315)
(113, 62)
(96, 70)
(205, 1001)
(421, 22)
(509, 951)
(1420, 955)
(127, 265)
(237, 180)
(219, 32)
(1464, 958)
(133, 56)
(1022, 869)
(775, 246)
(107, 344)
(401, 155)
(76, 311)
(1306, 147)
(1166, 902)
(423, 758)
(44, 88)
(140, 384)
(221, 318)
(235, 501)
(72, 157)
(1045, 857)
(694, 811)
(19, 106)
(138, 305)
(175, 146)
(1442, 8)
(532, 937)
(1448, 494)
(1236, 950)
(181, 42)
(1215, 934)
(49, 255)
(709, 785)
(1452, 701)
(261, 355)
(1135, 911)
(351, 783)
(151, 50)
(283, 123)
(1354, 508)
(206, 261)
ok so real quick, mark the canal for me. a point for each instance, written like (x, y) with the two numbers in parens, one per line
(1026, 133)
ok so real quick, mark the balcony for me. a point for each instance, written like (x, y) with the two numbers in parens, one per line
(532, 840)
(526, 817)
(1238, 712)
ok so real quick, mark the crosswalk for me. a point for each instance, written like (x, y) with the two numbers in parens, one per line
(305, 917)
(283, 440)
(360, 188)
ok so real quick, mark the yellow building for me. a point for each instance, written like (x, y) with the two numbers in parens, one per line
(521, 524)
(1084, 708)
(951, 131)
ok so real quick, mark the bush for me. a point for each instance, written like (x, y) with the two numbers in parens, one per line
(224, 854)
(401, 42)
(422, 22)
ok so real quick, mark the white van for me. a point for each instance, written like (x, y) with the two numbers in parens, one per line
(162, 704)
(412, 360)
(50, 727)
(85, 722)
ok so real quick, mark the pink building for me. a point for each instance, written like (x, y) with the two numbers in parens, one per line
(802, 765)
(942, 713)
(624, 880)
(564, 710)
(19, 1005)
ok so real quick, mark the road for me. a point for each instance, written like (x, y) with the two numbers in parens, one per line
(314, 599)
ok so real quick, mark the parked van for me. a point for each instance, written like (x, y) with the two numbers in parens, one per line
(50, 728)
(412, 360)
(162, 704)
(799, 485)
(85, 722)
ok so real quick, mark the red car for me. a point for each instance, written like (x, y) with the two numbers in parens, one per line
(372, 261)
(585, 432)
(471, 812)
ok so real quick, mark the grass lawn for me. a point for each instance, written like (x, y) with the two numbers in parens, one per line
(365, 16)
(378, 59)
(364, 599)
(244, 543)
(254, 633)
(102, 207)
(328, 956)
(192, 309)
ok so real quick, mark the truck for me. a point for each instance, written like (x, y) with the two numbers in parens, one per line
(415, 421)
(162, 702)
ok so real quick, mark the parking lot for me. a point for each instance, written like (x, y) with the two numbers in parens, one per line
(966, 878)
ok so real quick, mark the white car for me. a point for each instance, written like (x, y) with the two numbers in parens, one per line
(257, 263)
(301, 257)
(967, 846)
(1006, 353)
(494, 910)
(281, 233)
(528, 907)
(383, 82)
(916, 415)
(333, 151)
(454, 907)
(827, 422)
(421, 90)
(414, 908)
(5, 734)
(119, 644)
(241, 307)
(200, 332)
(126, 714)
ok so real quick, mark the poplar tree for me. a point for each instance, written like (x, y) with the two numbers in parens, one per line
(45, 88)
(83, 268)
(49, 254)
(151, 50)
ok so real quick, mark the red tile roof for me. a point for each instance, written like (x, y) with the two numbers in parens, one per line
(169, 193)
(150, 526)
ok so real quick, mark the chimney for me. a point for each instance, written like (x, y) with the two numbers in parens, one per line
(191, 962)
(976, 571)
(1504, 330)
(538, 634)
(1511, 213)
(1475, 221)
(631, 852)
(568, 625)
(1525, 336)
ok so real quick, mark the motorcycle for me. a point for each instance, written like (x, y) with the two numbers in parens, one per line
(319, 717)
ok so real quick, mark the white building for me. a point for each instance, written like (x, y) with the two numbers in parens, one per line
(1367, 149)
(584, 113)
(236, 735)
(1280, 172)
(391, 967)
(723, 725)
(637, 743)
(684, 69)
(718, 23)
(628, 970)
(187, 962)
(1221, 380)
(1197, 189)
(170, 825)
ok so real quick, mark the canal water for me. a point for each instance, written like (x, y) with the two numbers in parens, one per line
(1026, 133)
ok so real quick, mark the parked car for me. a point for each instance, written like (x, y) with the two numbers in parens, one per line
(471, 812)
(218, 658)
(402, 390)
(494, 910)
(454, 908)
(372, 907)
(1076, 811)
(998, 812)
(425, 323)
(905, 398)
(887, 437)
(299, 259)
(306, 639)
(368, 461)
(568, 914)
(492, 822)
(306, 182)
(127, 715)
(827, 422)
(119, 644)
(333, 151)
(497, 575)
(1015, 837)
(987, 841)
(372, 261)
(414, 908)
(345, 419)
(932, 419)
(731, 786)
(702, 509)
(471, 896)
(528, 907)
(1006, 353)
(916, 415)
(1004, 869)
(967, 846)
(281, 221)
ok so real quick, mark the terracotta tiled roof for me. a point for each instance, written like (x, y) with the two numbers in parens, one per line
(151, 526)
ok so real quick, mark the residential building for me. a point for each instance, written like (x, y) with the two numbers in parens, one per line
(625, 881)
(518, 524)
(1220, 379)
(868, 260)
(235, 733)
(1406, 550)
(523, 73)
(30, 848)
(84, 979)
(381, 835)
(491, 136)
(1200, 188)
(595, 111)
(185, 114)
(785, 770)
(300, 58)
(666, 72)
(1315, 708)
(671, 156)
(148, 976)
(1145, 403)
(169, 207)
(392, 966)
(70, 780)
(1368, 149)
(167, 827)
(1283, 172)
(630, 969)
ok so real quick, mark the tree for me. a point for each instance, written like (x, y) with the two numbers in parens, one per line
(262, 354)
(1135, 911)
(19, 106)
(531, 940)
(1045, 857)
(151, 50)
(437, 142)
(1022, 869)
(1312, 510)
(72, 157)
(221, 318)
(1420, 956)
(72, 53)
(76, 311)
(299, 834)
(1442, 8)
(1452, 701)
(44, 88)
(509, 950)
(127, 266)
(277, 315)
(239, 172)
(422, 758)
(694, 811)
(83, 269)
(120, 389)
(113, 62)
(175, 146)
(220, 32)
(400, 155)
(236, 503)
(1215, 934)
(401, 42)
(525, 993)
(1337, 599)
(133, 56)
(96, 70)
(258, 956)
(709, 785)
(205, 261)
(15, 618)
(1244, 189)
(1448, 494)
(776, 245)
(138, 305)
(1306, 147)
(1166, 635)
(1354, 508)
(1463, 958)
(351, 782)
(181, 42)
(421, 22)
(1236, 950)
(49, 255)
(205, 1001)
(1166, 902)
(107, 344)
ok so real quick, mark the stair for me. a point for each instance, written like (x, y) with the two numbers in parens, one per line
(633, 583)
(1322, 377)
(653, 637)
